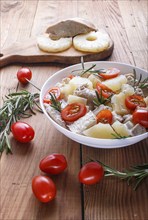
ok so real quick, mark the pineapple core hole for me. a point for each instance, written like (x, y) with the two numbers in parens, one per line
(91, 38)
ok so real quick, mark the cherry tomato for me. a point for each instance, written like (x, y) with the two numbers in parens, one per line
(110, 73)
(134, 101)
(53, 164)
(55, 91)
(140, 116)
(70, 76)
(23, 74)
(106, 92)
(105, 116)
(43, 188)
(73, 111)
(91, 173)
(22, 132)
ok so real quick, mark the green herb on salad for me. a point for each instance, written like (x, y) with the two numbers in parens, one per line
(100, 99)
(54, 102)
(138, 82)
(117, 135)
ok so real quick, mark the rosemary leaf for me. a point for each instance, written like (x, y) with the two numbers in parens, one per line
(100, 99)
(54, 102)
(87, 70)
(139, 83)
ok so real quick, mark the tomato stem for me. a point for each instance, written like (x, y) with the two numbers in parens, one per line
(32, 84)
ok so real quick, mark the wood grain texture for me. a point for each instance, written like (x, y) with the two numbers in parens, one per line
(17, 170)
(120, 201)
(111, 199)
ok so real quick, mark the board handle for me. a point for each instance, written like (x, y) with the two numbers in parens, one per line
(7, 60)
(17, 53)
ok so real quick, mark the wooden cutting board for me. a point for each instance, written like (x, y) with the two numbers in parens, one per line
(28, 52)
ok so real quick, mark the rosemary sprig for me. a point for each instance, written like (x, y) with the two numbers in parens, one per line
(83, 71)
(138, 82)
(144, 84)
(16, 106)
(56, 104)
(136, 173)
(119, 136)
(100, 99)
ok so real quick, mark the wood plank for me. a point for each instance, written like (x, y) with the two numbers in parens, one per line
(17, 18)
(112, 199)
(135, 22)
(17, 170)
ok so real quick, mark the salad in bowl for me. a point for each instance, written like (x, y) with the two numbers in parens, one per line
(99, 104)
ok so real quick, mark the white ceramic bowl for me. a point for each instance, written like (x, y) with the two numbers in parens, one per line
(92, 142)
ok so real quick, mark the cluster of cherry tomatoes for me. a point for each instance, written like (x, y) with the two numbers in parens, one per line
(44, 187)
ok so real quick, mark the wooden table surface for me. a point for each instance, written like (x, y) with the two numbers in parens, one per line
(111, 199)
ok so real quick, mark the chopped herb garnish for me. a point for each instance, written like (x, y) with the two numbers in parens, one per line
(138, 82)
(56, 104)
(100, 99)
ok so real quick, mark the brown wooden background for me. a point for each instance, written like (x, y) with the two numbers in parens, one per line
(111, 199)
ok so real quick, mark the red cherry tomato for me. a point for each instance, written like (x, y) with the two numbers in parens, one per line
(55, 91)
(105, 116)
(43, 188)
(134, 101)
(73, 111)
(23, 74)
(91, 173)
(110, 73)
(70, 76)
(53, 164)
(106, 92)
(140, 116)
(22, 132)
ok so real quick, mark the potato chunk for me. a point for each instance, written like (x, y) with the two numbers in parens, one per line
(79, 81)
(74, 98)
(121, 129)
(118, 103)
(100, 131)
(66, 90)
(106, 131)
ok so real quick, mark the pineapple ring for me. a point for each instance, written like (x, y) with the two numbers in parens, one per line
(47, 44)
(91, 42)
